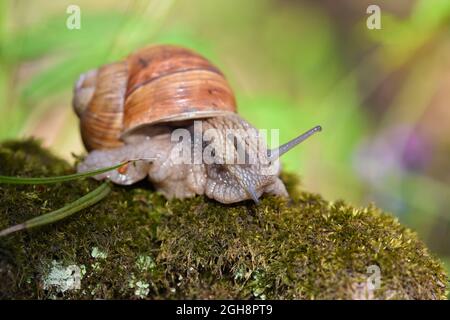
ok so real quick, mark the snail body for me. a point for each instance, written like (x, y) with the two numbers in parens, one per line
(133, 109)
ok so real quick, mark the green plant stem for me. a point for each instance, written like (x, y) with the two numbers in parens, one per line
(49, 180)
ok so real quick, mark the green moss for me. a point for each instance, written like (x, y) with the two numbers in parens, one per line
(135, 244)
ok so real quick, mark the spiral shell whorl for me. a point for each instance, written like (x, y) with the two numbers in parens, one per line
(153, 85)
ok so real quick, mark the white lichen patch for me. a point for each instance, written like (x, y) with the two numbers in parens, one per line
(96, 253)
(95, 266)
(259, 286)
(242, 274)
(141, 288)
(145, 263)
(83, 270)
(63, 278)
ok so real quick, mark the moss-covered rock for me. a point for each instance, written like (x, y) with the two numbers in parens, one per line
(135, 244)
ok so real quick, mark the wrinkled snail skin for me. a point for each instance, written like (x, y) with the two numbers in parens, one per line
(129, 110)
(226, 183)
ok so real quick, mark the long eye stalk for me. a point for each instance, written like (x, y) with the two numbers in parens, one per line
(278, 152)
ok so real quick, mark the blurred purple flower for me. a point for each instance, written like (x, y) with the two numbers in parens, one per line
(416, 152)
(391, 153)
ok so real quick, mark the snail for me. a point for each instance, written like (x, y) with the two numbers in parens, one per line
(132, 109)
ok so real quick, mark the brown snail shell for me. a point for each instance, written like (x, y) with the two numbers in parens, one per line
(153, 85)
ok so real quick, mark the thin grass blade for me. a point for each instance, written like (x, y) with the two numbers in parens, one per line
(49, 180)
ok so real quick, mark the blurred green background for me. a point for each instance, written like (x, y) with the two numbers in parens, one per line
(380, 95)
